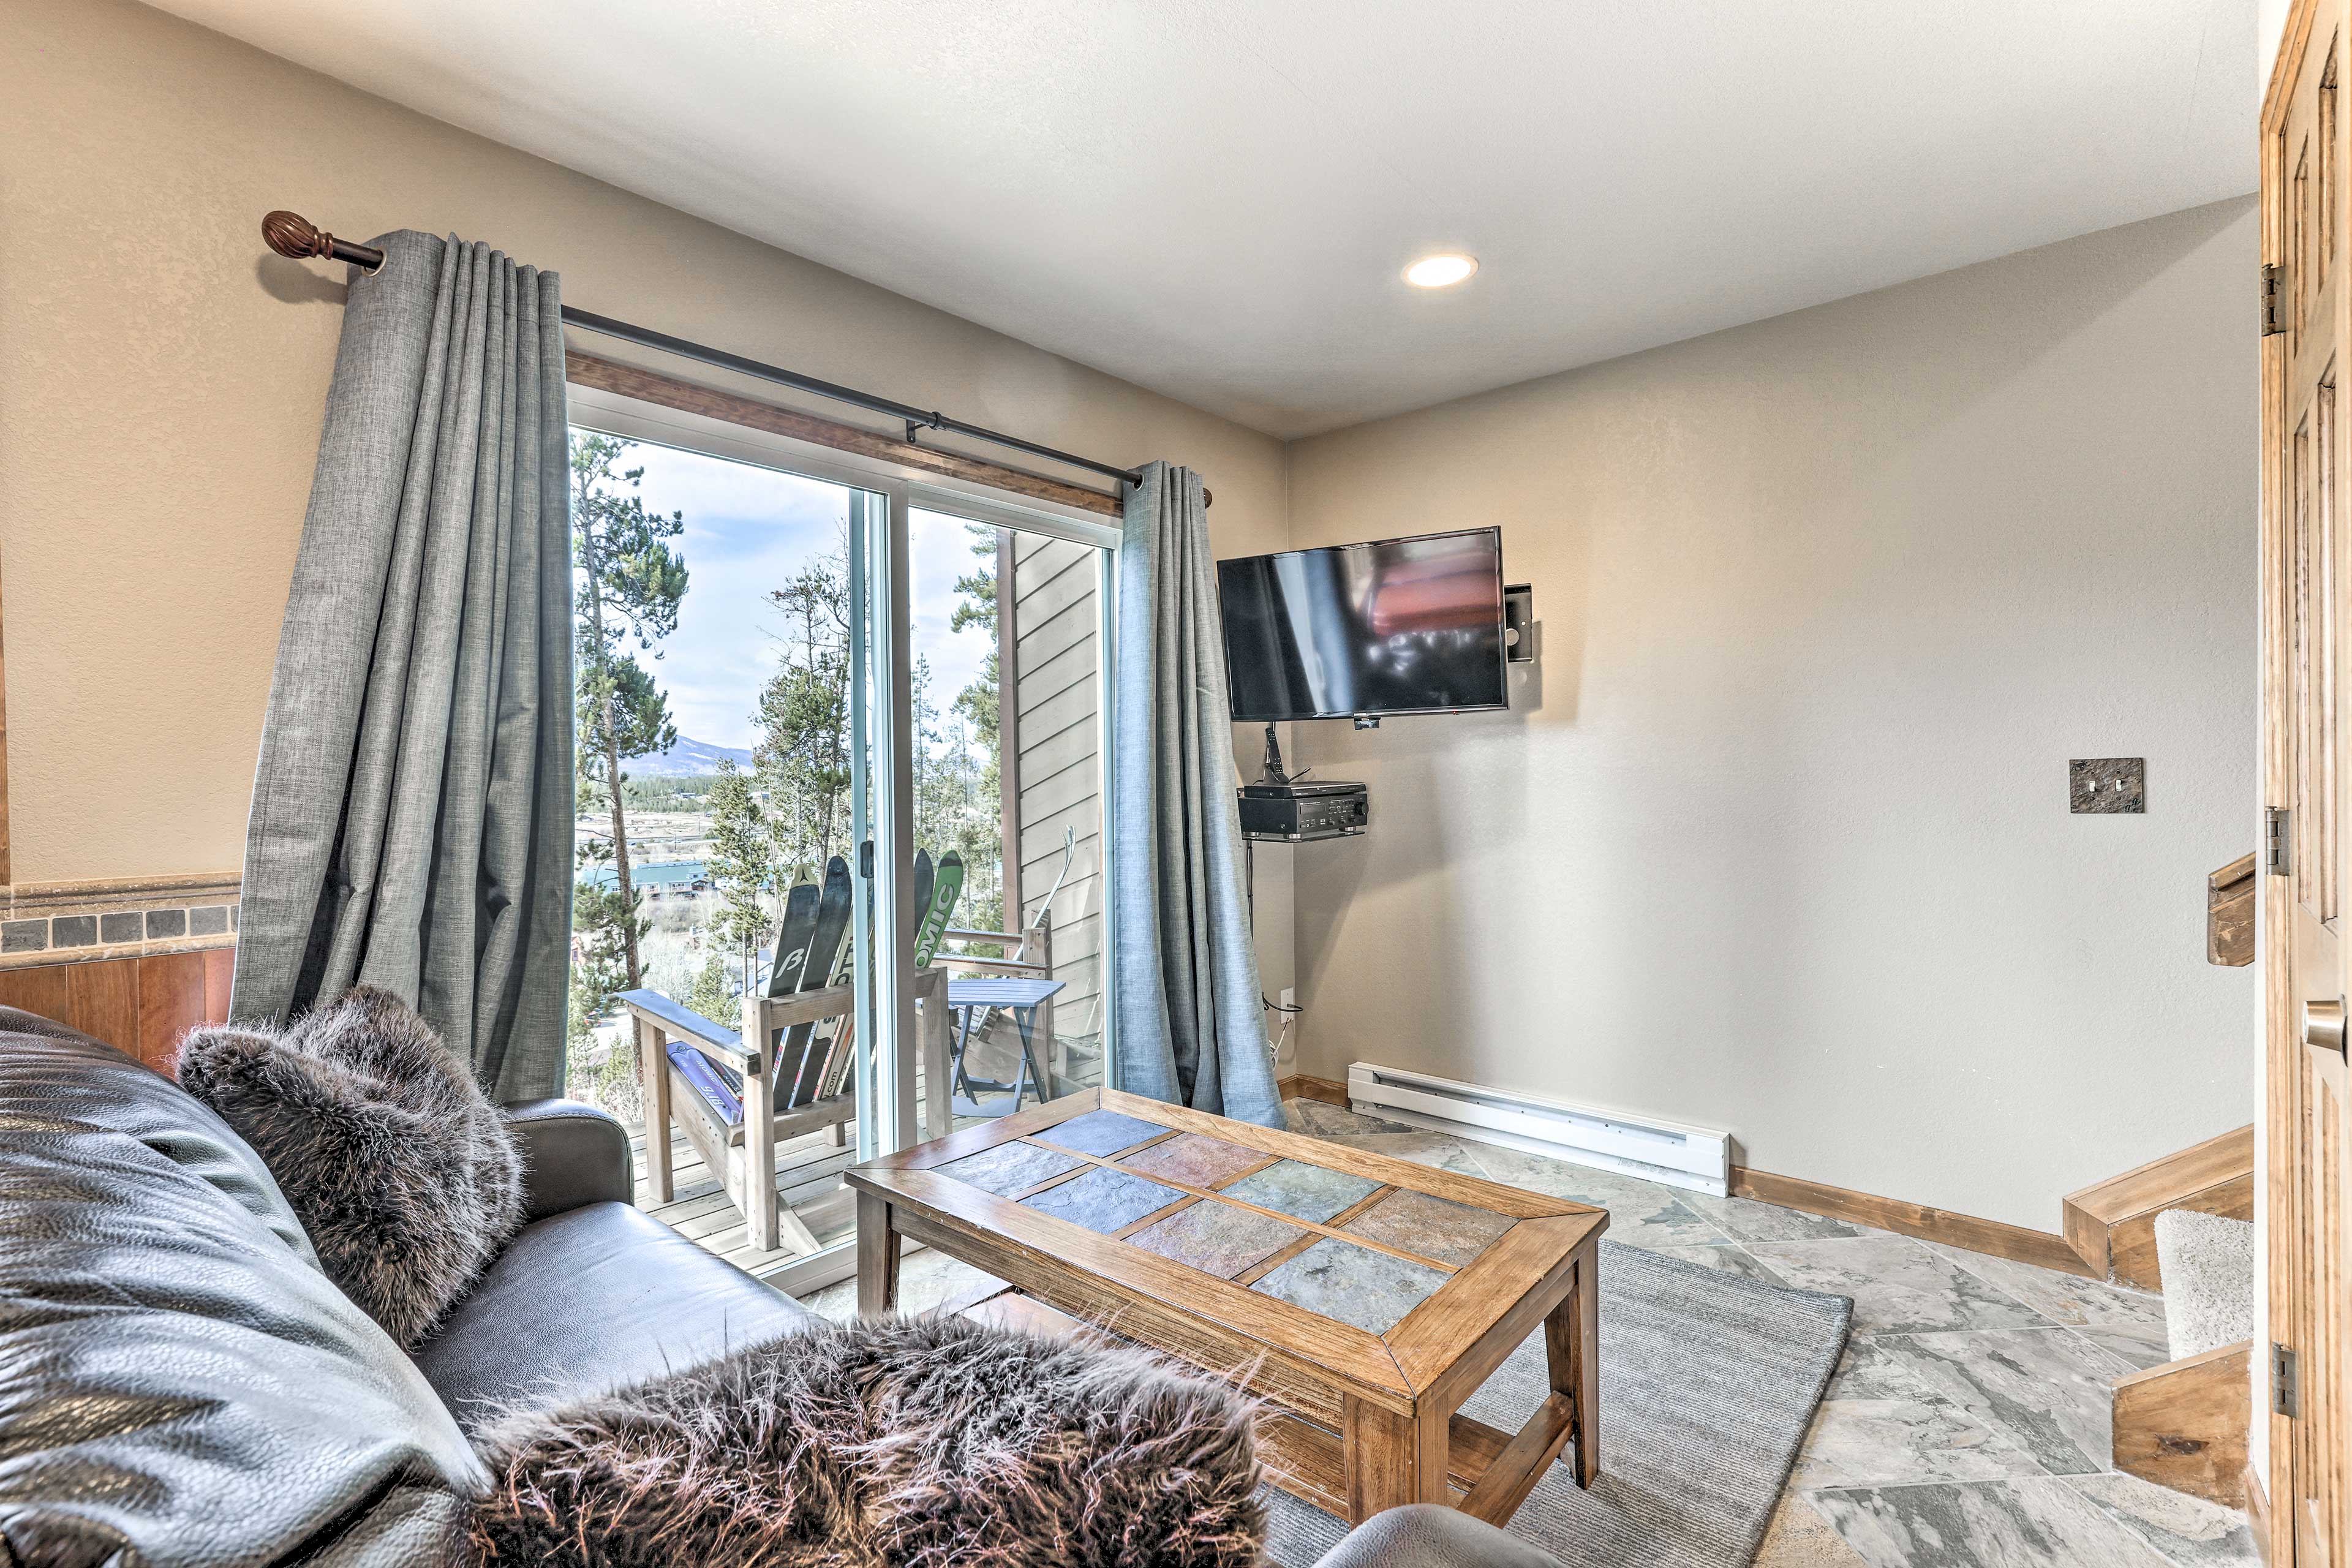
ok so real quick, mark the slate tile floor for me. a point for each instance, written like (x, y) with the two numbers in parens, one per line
(1968, 1426)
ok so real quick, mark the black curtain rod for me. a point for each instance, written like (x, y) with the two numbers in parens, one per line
(289, 234)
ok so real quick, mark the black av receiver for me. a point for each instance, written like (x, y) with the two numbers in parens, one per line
(1310, 808)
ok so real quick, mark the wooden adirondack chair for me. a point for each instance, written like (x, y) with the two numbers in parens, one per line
(680, 1053)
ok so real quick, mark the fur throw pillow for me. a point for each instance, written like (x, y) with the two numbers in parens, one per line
(403, 1173)
(888, 1443)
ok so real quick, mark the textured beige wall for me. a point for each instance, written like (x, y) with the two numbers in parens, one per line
(1775, 839)
(162, 376)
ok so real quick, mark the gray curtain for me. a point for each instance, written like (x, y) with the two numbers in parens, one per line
(412, 808)
(1191, 1029)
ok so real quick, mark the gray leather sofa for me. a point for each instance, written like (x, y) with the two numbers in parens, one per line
(181, 1385)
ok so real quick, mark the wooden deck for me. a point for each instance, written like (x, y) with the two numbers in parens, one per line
(808, 1177)
(808, 1180)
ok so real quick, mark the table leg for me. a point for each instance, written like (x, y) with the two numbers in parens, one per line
(1393, 1459)
(1027, 1018)
(1572, 1350)
(962, 1046)
(877, 1257)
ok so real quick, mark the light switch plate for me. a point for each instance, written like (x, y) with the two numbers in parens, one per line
(2107, 785)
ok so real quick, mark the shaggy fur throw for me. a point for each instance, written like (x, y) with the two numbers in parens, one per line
(891, 1442)
(405, 1176)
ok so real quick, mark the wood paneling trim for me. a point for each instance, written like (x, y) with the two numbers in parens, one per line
(2183, 1424)
(102, 1000)
(220, 970)
(2144, 1189)
(43, 991)
(170, 997)
(2230, 914)
(2111, 1225)
(140, 1005)
(2258, 1514)
(1993, 1238)
(2131, 1243)
(669, 391)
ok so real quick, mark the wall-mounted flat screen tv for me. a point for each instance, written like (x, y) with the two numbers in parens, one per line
(1400, 626)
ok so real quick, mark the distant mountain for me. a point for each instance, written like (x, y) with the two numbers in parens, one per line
(688, 757)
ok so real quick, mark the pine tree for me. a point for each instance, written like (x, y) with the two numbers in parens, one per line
(802, 755)
(982, 836)
(713, 993)
(742, 863)
(630, 582)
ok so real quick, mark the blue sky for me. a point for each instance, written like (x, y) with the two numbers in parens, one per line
(747, 530)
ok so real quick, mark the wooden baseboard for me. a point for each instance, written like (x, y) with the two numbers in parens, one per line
(1993, 1238)
(1990, 1237)
(2112, 1225)
(2183, 1424)
(1297, 1087)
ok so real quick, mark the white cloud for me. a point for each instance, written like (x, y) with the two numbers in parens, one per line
(747, 530)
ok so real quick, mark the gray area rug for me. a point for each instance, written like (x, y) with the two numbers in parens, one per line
(1707, 1383)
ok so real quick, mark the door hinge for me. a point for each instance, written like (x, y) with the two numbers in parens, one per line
(2283, 1380)
(2274, 300)
(2278, 840)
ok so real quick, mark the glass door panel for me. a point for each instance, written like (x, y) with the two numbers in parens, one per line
(734, 758)
(848, 666)
(1007, 740)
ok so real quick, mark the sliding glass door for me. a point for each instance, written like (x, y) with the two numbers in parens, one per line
(1009, 634)
(865, 700)
(889, 916)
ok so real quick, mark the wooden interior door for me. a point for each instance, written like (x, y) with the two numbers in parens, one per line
(2305, 330)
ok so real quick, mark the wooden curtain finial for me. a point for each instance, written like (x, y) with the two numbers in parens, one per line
(291, 234)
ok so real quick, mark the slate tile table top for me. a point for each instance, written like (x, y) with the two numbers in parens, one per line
(1364, 1297)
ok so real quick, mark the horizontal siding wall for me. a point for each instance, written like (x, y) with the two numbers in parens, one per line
(1055, 694)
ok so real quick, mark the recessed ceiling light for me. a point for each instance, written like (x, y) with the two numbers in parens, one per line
(1440, 271)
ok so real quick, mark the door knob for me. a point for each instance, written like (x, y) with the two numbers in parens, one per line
(2323, 1026)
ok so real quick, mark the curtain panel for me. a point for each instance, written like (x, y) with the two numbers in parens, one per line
(1190, 1013)
(412, 804)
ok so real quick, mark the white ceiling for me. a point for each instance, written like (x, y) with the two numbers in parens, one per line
(1213, 197)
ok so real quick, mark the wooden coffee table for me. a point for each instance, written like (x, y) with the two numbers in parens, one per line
(1366, 1298)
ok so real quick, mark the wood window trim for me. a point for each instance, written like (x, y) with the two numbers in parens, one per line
(669, 391)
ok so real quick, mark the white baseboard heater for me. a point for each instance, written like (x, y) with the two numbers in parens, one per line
(1640, 1146)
